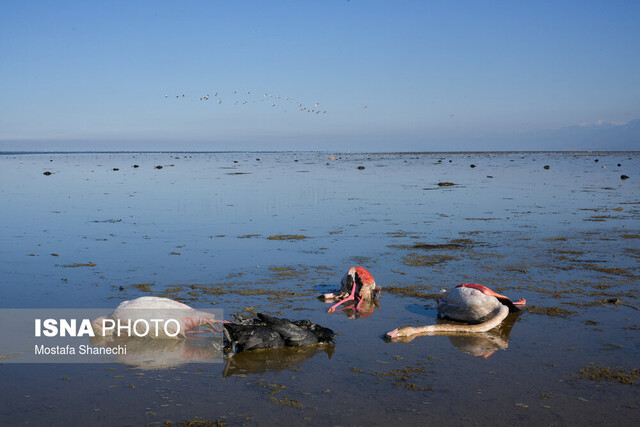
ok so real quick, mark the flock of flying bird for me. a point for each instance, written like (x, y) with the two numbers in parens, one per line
(475, 307)
(274, 100)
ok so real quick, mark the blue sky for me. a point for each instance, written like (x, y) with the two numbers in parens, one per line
(93, 75)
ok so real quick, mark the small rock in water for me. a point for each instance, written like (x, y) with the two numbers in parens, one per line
(472, 166)
(47, 173)
(445, 184)
(619, 165)
(158, 167)
(596, 160)
(546, 166)
(360, 167)
(136, 166)
(624, 177)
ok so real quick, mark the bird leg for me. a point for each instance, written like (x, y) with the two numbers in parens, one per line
(520, 303)
(362, 300)
(368, 297)
(212, 323)
(209, 323)
(351, 297)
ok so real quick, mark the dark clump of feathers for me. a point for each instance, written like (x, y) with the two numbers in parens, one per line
(271, 332)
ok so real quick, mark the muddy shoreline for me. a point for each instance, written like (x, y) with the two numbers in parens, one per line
(267, 238)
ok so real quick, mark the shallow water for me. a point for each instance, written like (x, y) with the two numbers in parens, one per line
(565, 238)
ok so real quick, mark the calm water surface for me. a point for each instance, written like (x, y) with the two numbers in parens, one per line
(566, 238)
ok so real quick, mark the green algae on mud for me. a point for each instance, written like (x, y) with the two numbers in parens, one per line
(198, 422)
(413, 291)
(630, 236)
(230, 288)
(605, 302)
(248, 276)
(611, 374)
(609, 270)
(89, 264)
(287, 237)
(273, 286)
(415, 260)
(143, 287)
(273, 389)
(428, 246)
(402, 377)
(550, 311)
(310, 273)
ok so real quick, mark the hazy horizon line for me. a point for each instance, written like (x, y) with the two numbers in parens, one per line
(15, 152)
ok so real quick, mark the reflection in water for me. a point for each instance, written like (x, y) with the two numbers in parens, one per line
(276, 359)
(154, 354)
(366, 309)
(162, 354)
(130, 222)
(482, 344)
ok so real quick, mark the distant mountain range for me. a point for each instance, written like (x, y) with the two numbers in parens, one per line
(599, 136)
(606, 136)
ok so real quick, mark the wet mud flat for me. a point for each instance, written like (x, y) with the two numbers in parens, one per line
(259, 236)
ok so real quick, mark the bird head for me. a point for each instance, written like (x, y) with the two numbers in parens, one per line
(400, 334)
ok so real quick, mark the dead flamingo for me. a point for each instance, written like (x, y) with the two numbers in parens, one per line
(155, 311)
(266, 332)
(468, 302)
(358, 286)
